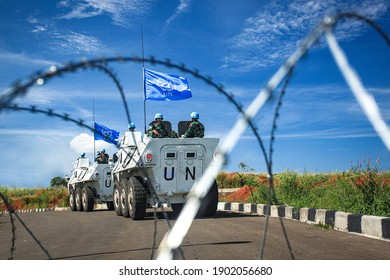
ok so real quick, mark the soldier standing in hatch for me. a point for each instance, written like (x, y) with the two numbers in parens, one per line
(195, 129)
(102, 157)
(157, 129)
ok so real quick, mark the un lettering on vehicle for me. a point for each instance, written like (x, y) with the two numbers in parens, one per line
(181, 166)
(169, 173)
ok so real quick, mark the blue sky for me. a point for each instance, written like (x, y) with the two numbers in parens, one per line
(240, 44)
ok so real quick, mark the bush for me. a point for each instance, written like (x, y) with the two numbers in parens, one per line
(31, 198)
(58, 182)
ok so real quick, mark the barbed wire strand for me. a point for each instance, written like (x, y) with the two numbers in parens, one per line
(72, 67)
(209, 81)
(271, 188)
(365, 100)
(276, 115)
(13, 227)
(50, 113)
(174, 237)
(12, 211)
(352, 15)
(119, 87)
(20, 89)
(261, 98)
(53, 72)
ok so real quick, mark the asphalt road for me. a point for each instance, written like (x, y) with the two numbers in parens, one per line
(228, 236)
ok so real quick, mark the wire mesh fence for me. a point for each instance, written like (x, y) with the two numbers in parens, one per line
(170, 244)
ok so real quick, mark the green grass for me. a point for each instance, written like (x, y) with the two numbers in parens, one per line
(30, 198)
(364, 191)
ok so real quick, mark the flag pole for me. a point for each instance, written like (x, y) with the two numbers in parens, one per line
(93, 117)
(143, 77)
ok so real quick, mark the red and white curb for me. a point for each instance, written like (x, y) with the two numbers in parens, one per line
(367, 225)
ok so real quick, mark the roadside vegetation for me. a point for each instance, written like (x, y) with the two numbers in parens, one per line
(361, 190)
(32, 198)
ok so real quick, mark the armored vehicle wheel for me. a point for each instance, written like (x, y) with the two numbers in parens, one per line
(176, 209)
(136, 198)
(72, 202)
(87, 199)
(78, 199)
(209, 204)
(110, 205)
(123, 198)
(117, 205)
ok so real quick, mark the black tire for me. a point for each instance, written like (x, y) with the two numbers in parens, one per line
(117, 204)
(110, 205)
(176, 210)
(87, 199)
(136, 198)
(78, 200)
(123, 198)
(209, 203)
(72, 202)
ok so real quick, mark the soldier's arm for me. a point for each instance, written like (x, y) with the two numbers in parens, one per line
(149, 132)
(189, 131)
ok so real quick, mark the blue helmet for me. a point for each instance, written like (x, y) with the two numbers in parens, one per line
(158, 116)
(104, 150)
(131, 125)
(82, 154)
(194, 115)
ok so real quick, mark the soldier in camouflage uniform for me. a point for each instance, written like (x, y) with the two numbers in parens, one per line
(157, 129)
(196, 128)
(102, 157)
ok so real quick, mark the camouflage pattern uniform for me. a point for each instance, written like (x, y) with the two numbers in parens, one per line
(174, 134)
(102, 157)
(195, 129)
(160, 129)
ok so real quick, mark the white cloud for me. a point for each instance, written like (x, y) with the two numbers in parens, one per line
(22, 58)
(39, 28)
(84, 143)
(42, 96)
(180, 9)
(77, 43)
(263, 41)
(39, 24)
(59, 100)
(122, 12)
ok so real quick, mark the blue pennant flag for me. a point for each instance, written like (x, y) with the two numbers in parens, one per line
(106, 134)
(165, 87)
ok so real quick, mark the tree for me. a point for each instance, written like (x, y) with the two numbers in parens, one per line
(58, 182)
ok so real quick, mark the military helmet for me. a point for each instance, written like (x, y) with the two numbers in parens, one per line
(194, 115)
(131, 125)
(158, 116)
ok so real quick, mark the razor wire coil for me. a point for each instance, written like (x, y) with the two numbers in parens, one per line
(169, 243)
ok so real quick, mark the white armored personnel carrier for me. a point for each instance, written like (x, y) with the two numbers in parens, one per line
(90, 183)
(166, 167)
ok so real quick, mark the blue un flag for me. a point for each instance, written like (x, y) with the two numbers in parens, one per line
(106, 134)
(165, 87)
